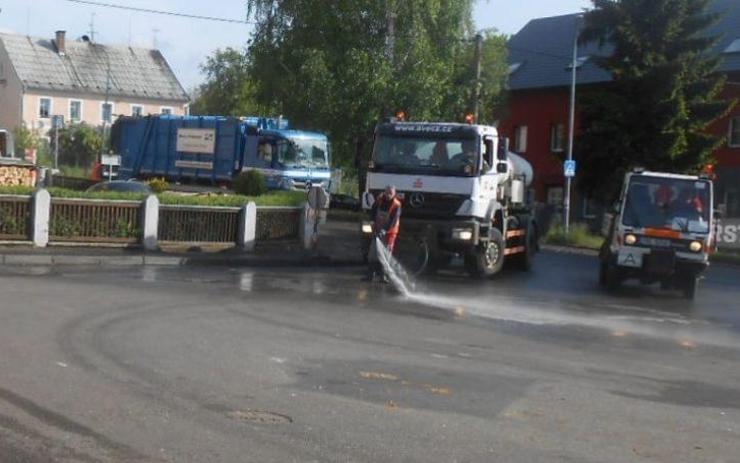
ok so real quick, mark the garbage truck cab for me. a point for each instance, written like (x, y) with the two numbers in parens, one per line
(290, 159)
(463, 193)
(663, 230)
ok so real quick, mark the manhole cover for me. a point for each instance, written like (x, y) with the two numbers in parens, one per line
(259, 416)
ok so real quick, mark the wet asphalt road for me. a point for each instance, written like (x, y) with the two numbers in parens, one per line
(233, 365)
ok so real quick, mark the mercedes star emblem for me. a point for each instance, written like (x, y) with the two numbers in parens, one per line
(416, 200)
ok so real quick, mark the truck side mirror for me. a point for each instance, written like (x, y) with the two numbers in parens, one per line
(503, 149)
(616, 207)
(719, 211)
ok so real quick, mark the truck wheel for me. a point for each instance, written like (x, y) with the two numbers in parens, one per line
(602, 273)
(690, 285)
(525, 260)
(613, 277)
(487, 259)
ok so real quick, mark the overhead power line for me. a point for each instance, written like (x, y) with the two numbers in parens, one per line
(162, 12)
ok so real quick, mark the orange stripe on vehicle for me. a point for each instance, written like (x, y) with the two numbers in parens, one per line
(516, 233)
(662, 233)
(516, 250)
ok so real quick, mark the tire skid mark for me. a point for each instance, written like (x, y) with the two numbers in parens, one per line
(87, 340)
(63, 423)
(82, 337)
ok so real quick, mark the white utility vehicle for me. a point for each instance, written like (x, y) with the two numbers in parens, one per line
(663, 230)
(463, 193)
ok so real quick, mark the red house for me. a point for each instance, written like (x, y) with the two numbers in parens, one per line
(540, 67)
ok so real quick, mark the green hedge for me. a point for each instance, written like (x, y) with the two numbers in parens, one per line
(579, 236)
(276, 198)
(16, 190)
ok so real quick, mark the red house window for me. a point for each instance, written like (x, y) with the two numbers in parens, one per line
(557, 138)
(734, 136)
(520, 139)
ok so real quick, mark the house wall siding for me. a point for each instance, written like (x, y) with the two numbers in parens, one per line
(91, 107)
(728, 156)
(11, 90)
(539, 110)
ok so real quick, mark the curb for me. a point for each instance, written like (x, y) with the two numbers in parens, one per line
(569, 250)
(26, 260)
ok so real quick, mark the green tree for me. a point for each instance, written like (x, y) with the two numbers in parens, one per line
(342, 72)
(79, 146)
(25, 139)
(664, 95)
(228, 89)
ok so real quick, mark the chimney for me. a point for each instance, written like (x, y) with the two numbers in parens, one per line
(61, 43)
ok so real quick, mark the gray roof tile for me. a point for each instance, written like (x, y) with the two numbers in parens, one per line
(134, 72)
(544, 49)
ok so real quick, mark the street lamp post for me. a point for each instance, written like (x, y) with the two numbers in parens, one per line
(571, 127)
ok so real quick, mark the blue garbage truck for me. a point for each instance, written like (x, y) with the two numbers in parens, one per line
(213, 149)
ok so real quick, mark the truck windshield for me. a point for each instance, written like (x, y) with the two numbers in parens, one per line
(427, 156)
(303, 152)
(661, 202)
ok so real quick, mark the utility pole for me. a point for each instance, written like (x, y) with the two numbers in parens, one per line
(107, 100)
(390, 38)
(56, 143)
(571, 127)
(477, 89)
(390, 47)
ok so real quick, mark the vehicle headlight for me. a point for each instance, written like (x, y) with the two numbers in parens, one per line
(462, 234)
(367, 228)
(630, 239)
(696, 246)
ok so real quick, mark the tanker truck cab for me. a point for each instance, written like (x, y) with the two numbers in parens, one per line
(462, 193)
(663, 231)
(290, 159)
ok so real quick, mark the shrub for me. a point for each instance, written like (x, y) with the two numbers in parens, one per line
(250, 183)
(158, 185)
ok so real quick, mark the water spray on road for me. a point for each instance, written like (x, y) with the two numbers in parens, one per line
(661, 326)
(665, 326)
(394, 271)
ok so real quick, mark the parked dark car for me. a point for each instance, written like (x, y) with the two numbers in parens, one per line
(121, 186)
(339, 201)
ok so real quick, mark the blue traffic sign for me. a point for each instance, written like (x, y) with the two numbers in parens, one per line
(569, 168)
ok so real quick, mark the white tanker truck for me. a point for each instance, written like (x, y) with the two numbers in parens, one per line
(463, 194)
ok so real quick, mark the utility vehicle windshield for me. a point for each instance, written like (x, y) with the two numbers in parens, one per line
(426, 156)
(659, 202)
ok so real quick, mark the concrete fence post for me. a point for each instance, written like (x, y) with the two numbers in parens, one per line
(307, 226)
(150, 222)
(246, 239)
(41, 213)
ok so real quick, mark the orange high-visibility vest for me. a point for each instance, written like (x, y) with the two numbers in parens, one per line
(386, 212)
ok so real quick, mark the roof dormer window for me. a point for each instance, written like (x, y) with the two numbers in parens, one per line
(733, 47)
(514, 67)
(579, 62)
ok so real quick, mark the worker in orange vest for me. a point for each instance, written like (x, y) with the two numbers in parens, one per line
(386, 212)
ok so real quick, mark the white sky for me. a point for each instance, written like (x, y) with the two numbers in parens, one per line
(187, 42)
